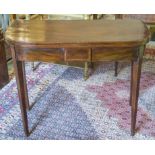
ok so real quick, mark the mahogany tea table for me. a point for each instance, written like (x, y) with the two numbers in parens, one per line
(83, 41)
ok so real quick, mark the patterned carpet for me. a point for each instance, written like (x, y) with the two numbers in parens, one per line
(67, 107)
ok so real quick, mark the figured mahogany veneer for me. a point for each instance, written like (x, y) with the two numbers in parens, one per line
(84, 41)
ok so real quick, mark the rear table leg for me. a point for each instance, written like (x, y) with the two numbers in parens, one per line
(116, 68)
(86, 71)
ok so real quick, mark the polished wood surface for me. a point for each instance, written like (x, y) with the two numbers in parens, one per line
(84, 41)
(4, 77)
(87, 32)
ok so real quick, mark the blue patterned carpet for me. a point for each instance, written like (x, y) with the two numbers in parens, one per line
(67, 107)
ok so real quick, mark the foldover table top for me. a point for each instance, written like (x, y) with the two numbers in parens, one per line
(81, 32)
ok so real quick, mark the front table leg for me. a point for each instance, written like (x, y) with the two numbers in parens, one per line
(135, 81)
(22, 91)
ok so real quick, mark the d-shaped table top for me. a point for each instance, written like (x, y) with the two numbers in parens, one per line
(68, 33)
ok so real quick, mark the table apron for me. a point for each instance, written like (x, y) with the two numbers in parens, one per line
(76, 54)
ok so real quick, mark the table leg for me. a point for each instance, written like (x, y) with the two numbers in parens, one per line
(92, 65)
(34, 67)
(135, 81)
(116, 68)
(86, 71)
(22, 89)
(131, 83)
